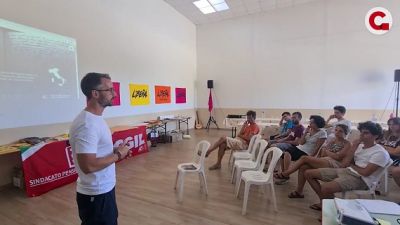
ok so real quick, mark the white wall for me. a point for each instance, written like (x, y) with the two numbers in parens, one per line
(311, 56)
(145, 42)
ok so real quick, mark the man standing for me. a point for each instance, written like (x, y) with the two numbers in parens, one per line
(94, 155)
(249, 129)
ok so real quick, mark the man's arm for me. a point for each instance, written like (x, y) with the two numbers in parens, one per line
(368, 170)
(328, 120)
(393, 151)
(89, 163)
(339, 155)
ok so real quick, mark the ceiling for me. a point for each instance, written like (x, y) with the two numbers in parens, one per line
(237, 8)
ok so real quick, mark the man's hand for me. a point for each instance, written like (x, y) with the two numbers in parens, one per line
(122, 149)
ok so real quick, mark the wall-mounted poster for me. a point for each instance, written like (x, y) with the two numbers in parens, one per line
(162, 94)
(139, 94)
(117, 98)
(180, 95)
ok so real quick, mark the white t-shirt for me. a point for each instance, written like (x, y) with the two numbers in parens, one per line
(89, 133)
(331, 130)
(311, 141)
(376, 155)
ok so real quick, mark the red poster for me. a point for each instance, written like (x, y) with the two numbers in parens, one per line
(117, 99)
(180, 95)
(162, 94)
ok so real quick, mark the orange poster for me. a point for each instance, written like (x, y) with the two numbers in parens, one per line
(162, 94)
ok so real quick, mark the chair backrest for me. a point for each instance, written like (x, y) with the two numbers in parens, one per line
(261, 145)
(253, 140)
(269, 131)
(378, 178)
(353, 135)
(276, 155)
(202, 147)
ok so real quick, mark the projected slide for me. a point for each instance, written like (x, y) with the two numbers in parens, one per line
(38, 76)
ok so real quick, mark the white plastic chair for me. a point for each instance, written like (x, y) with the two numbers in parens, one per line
(244, 154)
(353, 135)
(250, 164)
(258, 177)
(197, 166)
(373, 187)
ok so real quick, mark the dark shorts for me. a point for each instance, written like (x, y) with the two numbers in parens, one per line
(396, 161)
(295, 153)
(97, 209)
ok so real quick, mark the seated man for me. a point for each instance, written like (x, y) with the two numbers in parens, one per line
(285, 125)
(295, 133)
(248, 129)
(338, 114)
(369, 160)
(308, 144)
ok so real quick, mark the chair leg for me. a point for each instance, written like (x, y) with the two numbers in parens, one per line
(238, 174)
(246, 197)
(181, 184)
(233, 173)
(201, 182)
(176, 179)
(386, 177)
(230, 158)
(237, 188)
(203, 175)
(274, 197)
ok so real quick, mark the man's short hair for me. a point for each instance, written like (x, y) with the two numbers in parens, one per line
(285, 113)
(340, 108)
(91, 81)
(394, 120)
(344, 127)
(373, 128)
(298, 114)
(251, 113)
(318, 120)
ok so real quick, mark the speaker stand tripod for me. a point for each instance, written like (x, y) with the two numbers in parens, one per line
(211, 120)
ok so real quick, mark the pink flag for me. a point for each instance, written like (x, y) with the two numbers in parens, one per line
(210, 102)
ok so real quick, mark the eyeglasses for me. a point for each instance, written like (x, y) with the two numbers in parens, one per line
(110, 90)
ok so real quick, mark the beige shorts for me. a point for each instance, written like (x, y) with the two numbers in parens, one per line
(346, 179)
(333, 163)
(236, 143)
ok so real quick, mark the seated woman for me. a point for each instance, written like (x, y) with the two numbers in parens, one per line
(335, 154)
(391, 142)
(308, 144)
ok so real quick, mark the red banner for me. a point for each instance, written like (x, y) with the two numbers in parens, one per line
(50, 165)
(136, 139)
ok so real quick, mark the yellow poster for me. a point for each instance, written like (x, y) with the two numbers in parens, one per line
(139, 94)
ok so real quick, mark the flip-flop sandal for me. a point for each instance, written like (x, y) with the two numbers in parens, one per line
(215, 167)
(295, 194)
(280, 176)
(316, 206)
